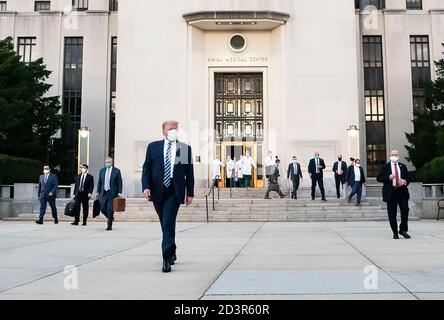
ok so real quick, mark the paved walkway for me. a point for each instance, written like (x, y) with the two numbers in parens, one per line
(223, 261)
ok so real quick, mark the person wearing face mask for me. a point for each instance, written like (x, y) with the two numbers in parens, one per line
(168, 181)
(48, 185)
(83, 189)
(247, 169)
(340, 170)
(356, 179)
(230, 174)
(109, 187)
(316, 170)
(273, 183)
(294, 173)
(395, 177)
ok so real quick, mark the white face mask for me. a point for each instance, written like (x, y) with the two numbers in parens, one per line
(83, 170)
(294, 160)
(394, 159)
(357, 165)
(45, 171)
(172, 135)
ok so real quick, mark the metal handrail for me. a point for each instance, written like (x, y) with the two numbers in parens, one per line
(211, 192)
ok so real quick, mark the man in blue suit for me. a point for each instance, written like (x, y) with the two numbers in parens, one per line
(109, 188)
(48, 185)
(168, 181)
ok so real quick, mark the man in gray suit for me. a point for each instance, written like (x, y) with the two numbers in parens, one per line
(48, 185)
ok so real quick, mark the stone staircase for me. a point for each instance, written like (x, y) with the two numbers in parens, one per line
(246, 205)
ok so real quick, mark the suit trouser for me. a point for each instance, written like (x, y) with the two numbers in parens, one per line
(317, 178)
(398, 198)
(106, 206)
(296, 181)
(356, 190)
(83, 200)
(273, 187)
(247, 181)
(167, 212)
(339, 180)
(43, 201)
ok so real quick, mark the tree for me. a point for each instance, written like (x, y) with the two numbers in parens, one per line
(29, 118)
(427, 141)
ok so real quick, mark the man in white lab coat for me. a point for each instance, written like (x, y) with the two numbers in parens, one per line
(239, 172)
(230, 174)
(247, 170)
(216, 171)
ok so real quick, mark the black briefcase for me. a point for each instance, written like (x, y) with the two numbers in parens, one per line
(70, 208)
(96, 208)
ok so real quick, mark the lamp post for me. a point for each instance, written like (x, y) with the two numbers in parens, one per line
(84, 134)
(353, 133)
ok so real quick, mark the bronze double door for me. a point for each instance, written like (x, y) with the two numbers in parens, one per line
(239, 120)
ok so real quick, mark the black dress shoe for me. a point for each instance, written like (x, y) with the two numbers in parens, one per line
(84, 224)
(56, 221)
(173, 259)
(109, 228)
(396, 237)
(166, 267)
(325, 200)
(405, 235)
(39, 222)
(75, 223)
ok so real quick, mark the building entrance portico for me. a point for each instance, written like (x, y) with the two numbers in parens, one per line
(239, 120)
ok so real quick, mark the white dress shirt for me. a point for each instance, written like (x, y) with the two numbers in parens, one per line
(295, 168)
(247, 166)
(173, 154)
(357, 174)
(340, 172)
(317, 165)
(269, 161)
(394, 172)
(108, 178)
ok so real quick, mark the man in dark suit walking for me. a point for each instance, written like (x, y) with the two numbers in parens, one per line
(168, 181)
(273, 180)
(294, 173)
(316, 170)
(48, 185)
(83, 191)
(340, 170)
(109, 187)
(356, 179)
(395, 177)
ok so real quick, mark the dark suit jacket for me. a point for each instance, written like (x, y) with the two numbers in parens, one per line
(312, 166)
(115, 182)
(351, 175)
(153, 171)
(51, 185)
(343, 167)
(291, 173)
(384, 176)
(88, 185)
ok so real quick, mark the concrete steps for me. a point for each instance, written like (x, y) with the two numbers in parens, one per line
(245, 210)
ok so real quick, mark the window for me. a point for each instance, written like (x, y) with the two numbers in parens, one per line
(374, 104)
(26, 49)
(421, 72)
(72, 96)
(3, 6)
(80, 5)
(112, 121)
(414, 4)
(113, 5)
(42, 5)
(362, 4)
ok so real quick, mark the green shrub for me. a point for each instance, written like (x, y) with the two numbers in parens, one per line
(433, 171)
(19, 170)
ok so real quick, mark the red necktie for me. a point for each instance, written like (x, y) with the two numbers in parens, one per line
(397, 175)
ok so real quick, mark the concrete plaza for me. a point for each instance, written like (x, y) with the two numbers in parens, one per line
(223, 261)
